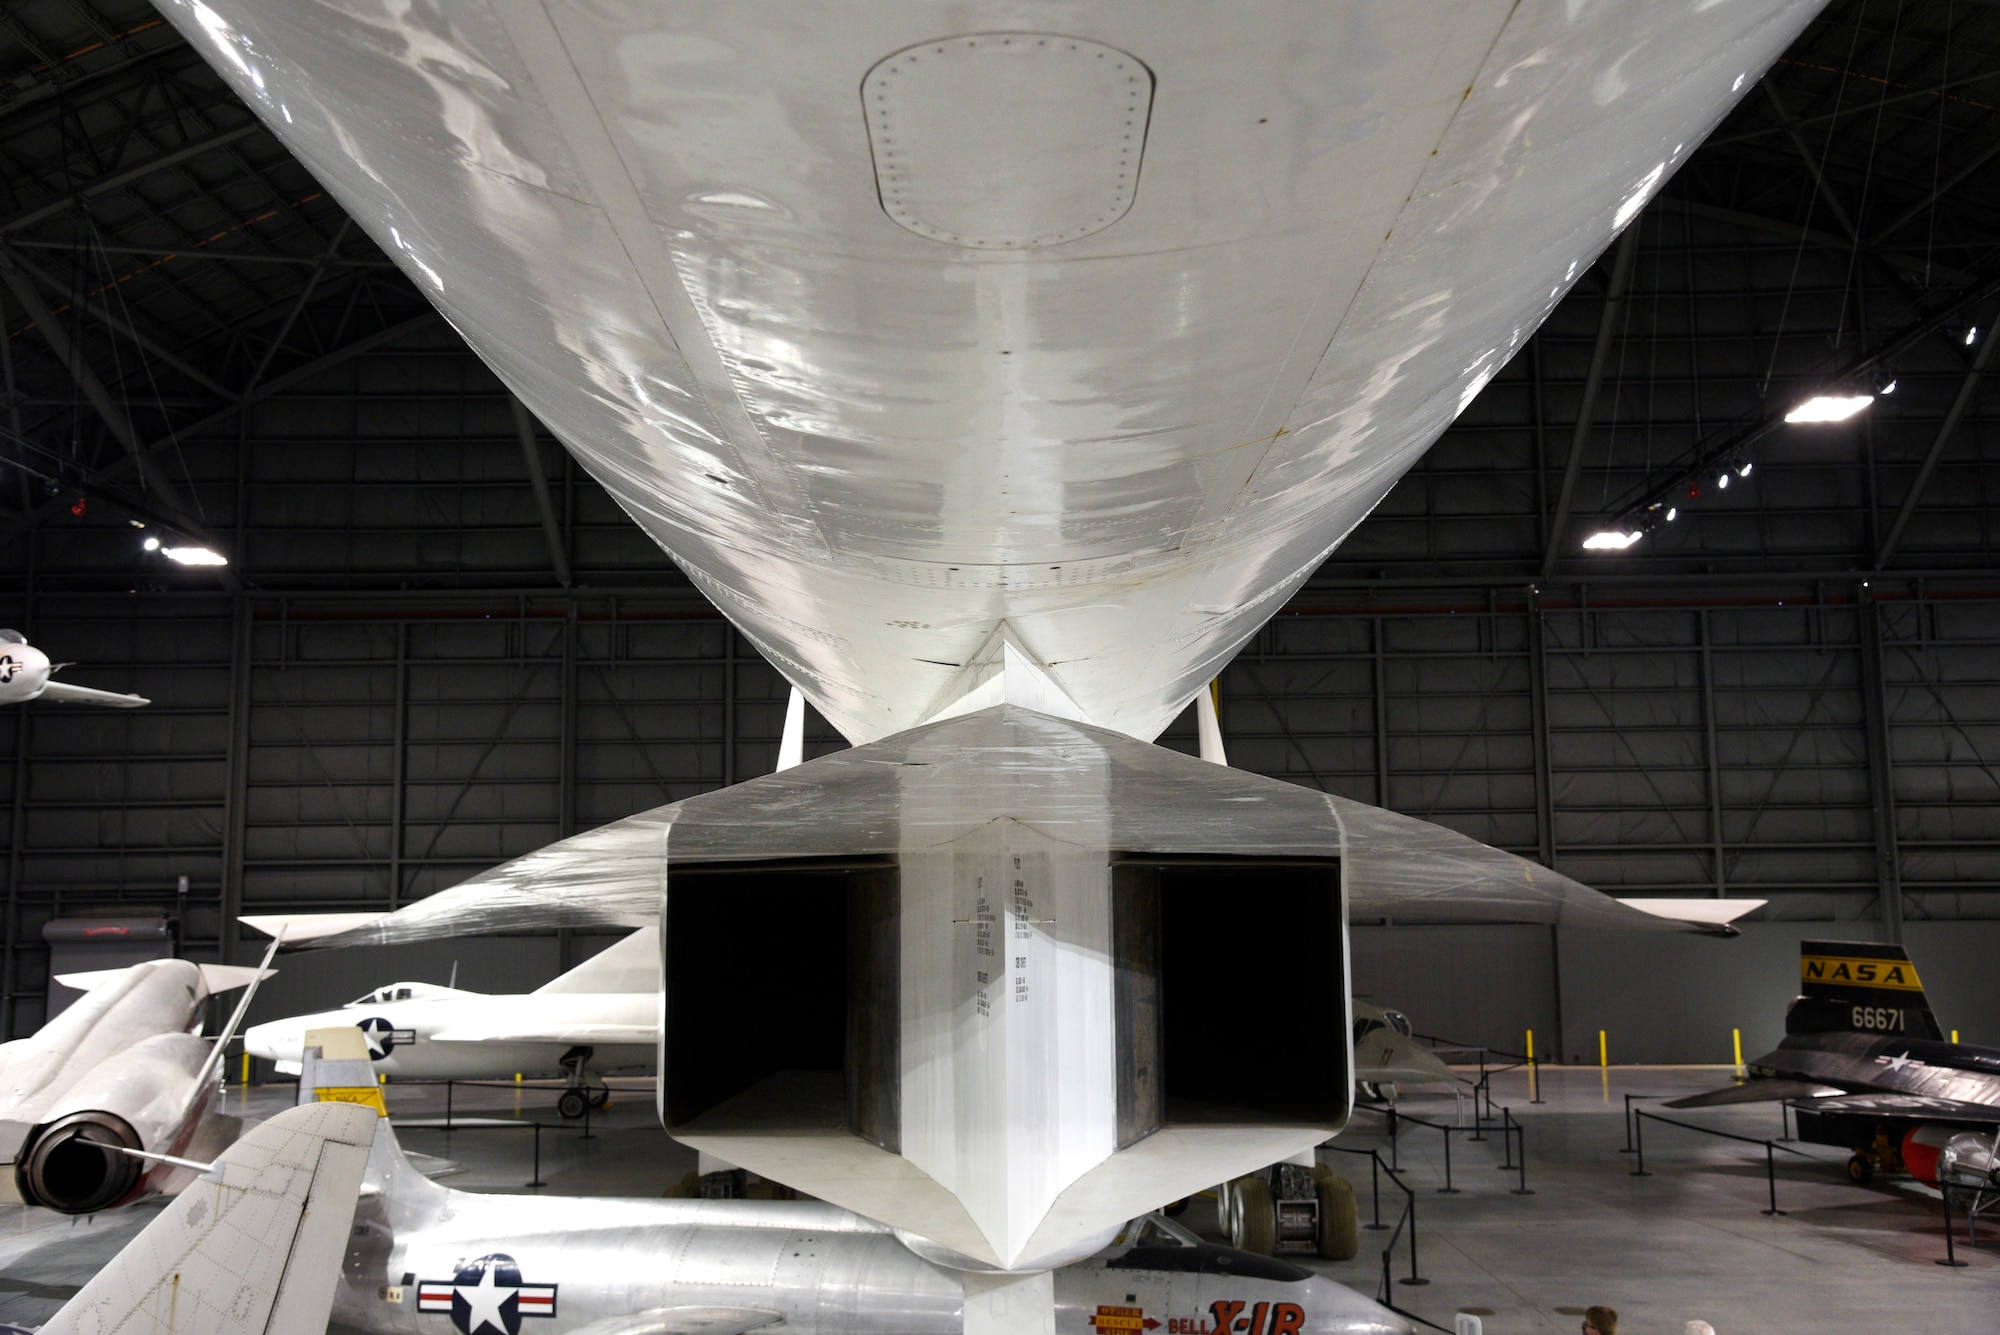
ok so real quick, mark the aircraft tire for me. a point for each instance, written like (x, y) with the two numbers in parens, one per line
(572, 1104)
(1175, 1209)
(1369, 1090)
(1860, 1170)
(600, 1097)
(1339, 1218)
(1256, 1217)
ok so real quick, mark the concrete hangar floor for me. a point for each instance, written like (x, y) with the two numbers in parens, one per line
(1688, 1242)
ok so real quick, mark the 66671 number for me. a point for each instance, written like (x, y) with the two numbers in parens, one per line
(1878, 1017)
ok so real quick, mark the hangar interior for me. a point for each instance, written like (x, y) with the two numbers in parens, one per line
(439, 645)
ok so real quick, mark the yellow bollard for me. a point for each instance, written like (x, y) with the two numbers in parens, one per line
(1603, 1058)
(1954, 1035)
(517, 1077)
(246, 1068)
(1737, 1036)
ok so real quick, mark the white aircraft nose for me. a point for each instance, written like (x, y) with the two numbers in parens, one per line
(273, 1042)
(1335, 1309)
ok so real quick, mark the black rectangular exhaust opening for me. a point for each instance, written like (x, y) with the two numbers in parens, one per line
(781, 997)
(1231, 995)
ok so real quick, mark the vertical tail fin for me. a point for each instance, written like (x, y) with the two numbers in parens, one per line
(630, 965)
(1865, 987)
(253, 1247)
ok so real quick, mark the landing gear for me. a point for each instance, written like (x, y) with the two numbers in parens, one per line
(1337, 1236)
(1252, 1218)
(1882, 1155)
(581, 1095)
(1291, 1207)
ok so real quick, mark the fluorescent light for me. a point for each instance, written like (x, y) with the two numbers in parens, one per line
(195, 556)
(1610, 540)
(1829, 407)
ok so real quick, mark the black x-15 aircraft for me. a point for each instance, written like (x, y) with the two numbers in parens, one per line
(1866, 1066)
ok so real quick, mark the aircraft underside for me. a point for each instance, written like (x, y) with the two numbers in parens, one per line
(1001, 375)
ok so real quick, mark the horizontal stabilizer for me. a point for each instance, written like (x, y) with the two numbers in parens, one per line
(1755, 1091)
(215, 977)
(259, 1252)
(299, 928)
(228, 977)
(1704, 912)
(1909, 1105)
(63, 693)
(683, 1321)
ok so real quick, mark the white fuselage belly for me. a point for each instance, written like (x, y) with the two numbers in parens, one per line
(414, 1049)
(668, 227)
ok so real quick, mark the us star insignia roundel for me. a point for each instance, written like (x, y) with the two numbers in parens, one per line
(487, 1297)
(382, 1036)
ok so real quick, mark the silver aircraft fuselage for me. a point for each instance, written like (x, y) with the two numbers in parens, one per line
(907, 326)
(426, 1260)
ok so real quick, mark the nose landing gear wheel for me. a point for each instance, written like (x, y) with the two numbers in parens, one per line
(1859, 1169)
(572, 1104)
(599, 1097)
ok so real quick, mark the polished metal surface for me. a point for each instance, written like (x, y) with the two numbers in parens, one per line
(853, 803)
(424, 1259)
(1005, 1145)
(667, 228)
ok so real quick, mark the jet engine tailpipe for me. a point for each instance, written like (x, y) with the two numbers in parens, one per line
(70, 1166)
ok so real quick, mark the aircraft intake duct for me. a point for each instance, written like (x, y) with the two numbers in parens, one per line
(71, 1168)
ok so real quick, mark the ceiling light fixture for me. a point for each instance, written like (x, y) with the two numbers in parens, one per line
(1744, 469)
(152, 544)
(195, 556)
(1722, 480)
(1829, 407)
(1610, 540)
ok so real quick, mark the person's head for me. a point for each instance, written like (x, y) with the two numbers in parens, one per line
(1600, 1321)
